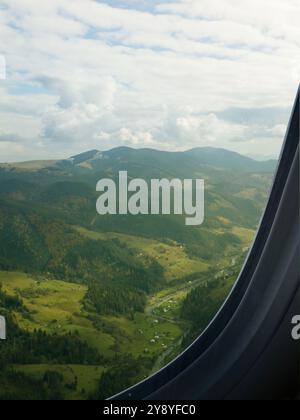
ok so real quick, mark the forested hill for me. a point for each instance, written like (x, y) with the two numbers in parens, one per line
(119, 292)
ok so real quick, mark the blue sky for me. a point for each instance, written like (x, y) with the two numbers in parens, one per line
(171, 75)
(143, 5)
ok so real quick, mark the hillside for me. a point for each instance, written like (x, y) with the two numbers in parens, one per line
(134, 282)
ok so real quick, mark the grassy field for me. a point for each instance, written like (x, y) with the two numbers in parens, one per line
(245, 235)
(30, 165)
(173, 258)
(85, 377)
(57, 307)
(146, 335)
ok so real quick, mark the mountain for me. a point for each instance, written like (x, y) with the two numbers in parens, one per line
(213, 157)
(190, 160)
(230, 160)
(262, 158)
(81, 290)
(236, 187)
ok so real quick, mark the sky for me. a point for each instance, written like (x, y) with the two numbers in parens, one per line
(169, 75)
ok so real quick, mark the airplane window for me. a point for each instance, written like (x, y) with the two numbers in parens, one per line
(138, 146)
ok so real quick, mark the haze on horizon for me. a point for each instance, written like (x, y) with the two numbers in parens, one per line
(96, 152)
(163, 74)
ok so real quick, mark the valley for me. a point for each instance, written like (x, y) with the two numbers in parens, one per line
(99, 303)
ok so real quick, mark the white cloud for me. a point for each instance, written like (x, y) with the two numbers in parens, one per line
(83, 74)
(278, 130)
(208, 128)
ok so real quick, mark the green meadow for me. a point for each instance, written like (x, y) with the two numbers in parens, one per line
(172, 257)
(56, 307)
(85, 378)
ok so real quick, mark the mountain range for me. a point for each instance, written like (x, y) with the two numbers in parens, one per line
(122, 289)
(208, 156)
